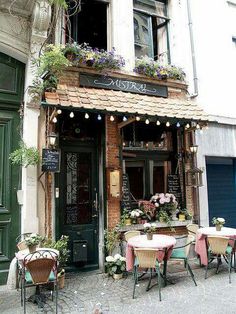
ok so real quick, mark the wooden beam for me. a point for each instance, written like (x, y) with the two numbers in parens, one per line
(128, 154)
(54, 113)
(124, 123)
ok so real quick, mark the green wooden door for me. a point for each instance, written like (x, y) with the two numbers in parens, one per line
(78, 205)
(11, 91)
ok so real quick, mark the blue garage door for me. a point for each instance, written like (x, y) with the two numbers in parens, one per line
(221, 189)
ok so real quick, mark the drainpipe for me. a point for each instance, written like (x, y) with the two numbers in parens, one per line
(190, 25)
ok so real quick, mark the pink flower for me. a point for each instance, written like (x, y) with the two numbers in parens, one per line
(162, 200)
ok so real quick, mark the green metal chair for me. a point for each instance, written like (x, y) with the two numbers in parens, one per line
(216, 248)
(180, 253)
(147, 258)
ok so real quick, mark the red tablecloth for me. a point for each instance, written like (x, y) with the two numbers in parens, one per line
(160, 242)
(202, 233)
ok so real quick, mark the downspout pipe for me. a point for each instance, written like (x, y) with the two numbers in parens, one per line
(190, 25)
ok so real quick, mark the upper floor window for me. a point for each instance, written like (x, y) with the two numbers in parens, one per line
(89, 25)
(150, 29)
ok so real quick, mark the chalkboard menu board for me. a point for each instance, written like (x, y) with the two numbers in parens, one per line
(50, 160)
(174, 187)
(126, 200)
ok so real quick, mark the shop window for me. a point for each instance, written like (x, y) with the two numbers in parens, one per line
(136, 175)
(150, 29)
(89, 25)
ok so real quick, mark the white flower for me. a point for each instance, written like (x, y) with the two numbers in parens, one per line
(137, 214)
(153, 225)
(162, 201)
(221, 220)
(132, 214)
(117, 256)
(147, 225)
(157, 205)
(167, 200)
(123, 259)
(110, 259)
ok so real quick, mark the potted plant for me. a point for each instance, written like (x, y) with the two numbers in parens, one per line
(164, 217)
(149, 229)
(33, 241)
(62, 246)
(136, 215)
(218, 222)
(115, 266)
(125, 218)
(183, 214)
(112, 239)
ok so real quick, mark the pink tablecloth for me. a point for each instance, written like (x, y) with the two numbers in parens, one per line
(159, 242)
(202, 233)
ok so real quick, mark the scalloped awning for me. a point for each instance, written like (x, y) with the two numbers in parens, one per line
(125, 103)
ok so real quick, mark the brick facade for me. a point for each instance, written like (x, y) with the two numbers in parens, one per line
(112, 163)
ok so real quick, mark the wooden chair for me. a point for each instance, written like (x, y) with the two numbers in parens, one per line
(131, 234)
(217, 247)
(192, 229)
(181, 253)
(38, 269)
(147, 258)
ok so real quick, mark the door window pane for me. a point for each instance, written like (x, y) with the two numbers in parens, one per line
(78, 208)
(7, 78)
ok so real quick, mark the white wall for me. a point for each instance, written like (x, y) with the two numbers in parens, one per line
(218, 140)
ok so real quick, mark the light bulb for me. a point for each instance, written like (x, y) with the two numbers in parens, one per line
(54, 120)
(86, 115)
(59, 111)
(178, 124)
(112, 118)
(99, 117)
(147, 121)
(158, 122)
(137, 118)
(124, 118)
(167, 123)
(197, 126)
(187, 126)
(72, 114)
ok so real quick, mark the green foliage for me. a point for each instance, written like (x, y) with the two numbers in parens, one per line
(33, 239)
(52, 61)
(184, 211)
(112, 238)
(59, 3)
(25, 156)
(62, 246)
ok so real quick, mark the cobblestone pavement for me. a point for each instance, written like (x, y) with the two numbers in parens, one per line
(83, 291)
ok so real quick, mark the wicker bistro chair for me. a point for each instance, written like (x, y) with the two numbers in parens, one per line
(131, 234)
(147, 258)
(38, 269)
(182, 252)
(217, 247)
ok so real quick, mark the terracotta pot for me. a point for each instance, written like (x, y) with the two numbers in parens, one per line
(149, 236)
(61, 281)
(218, 227)
(117, 276)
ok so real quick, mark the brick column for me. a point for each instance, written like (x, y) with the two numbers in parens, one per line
(112, 163)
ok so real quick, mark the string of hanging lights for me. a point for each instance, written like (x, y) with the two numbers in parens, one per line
(178, 124)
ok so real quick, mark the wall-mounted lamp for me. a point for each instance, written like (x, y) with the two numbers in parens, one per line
(193, 149)
(52, 137)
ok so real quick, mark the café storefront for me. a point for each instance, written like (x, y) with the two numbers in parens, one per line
(121, 138)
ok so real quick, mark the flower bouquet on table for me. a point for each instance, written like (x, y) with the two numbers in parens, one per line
(149, 229)
(218, 222)
(115, 266)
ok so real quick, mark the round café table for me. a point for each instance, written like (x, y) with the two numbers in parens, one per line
(202, 233)
(162, 243)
